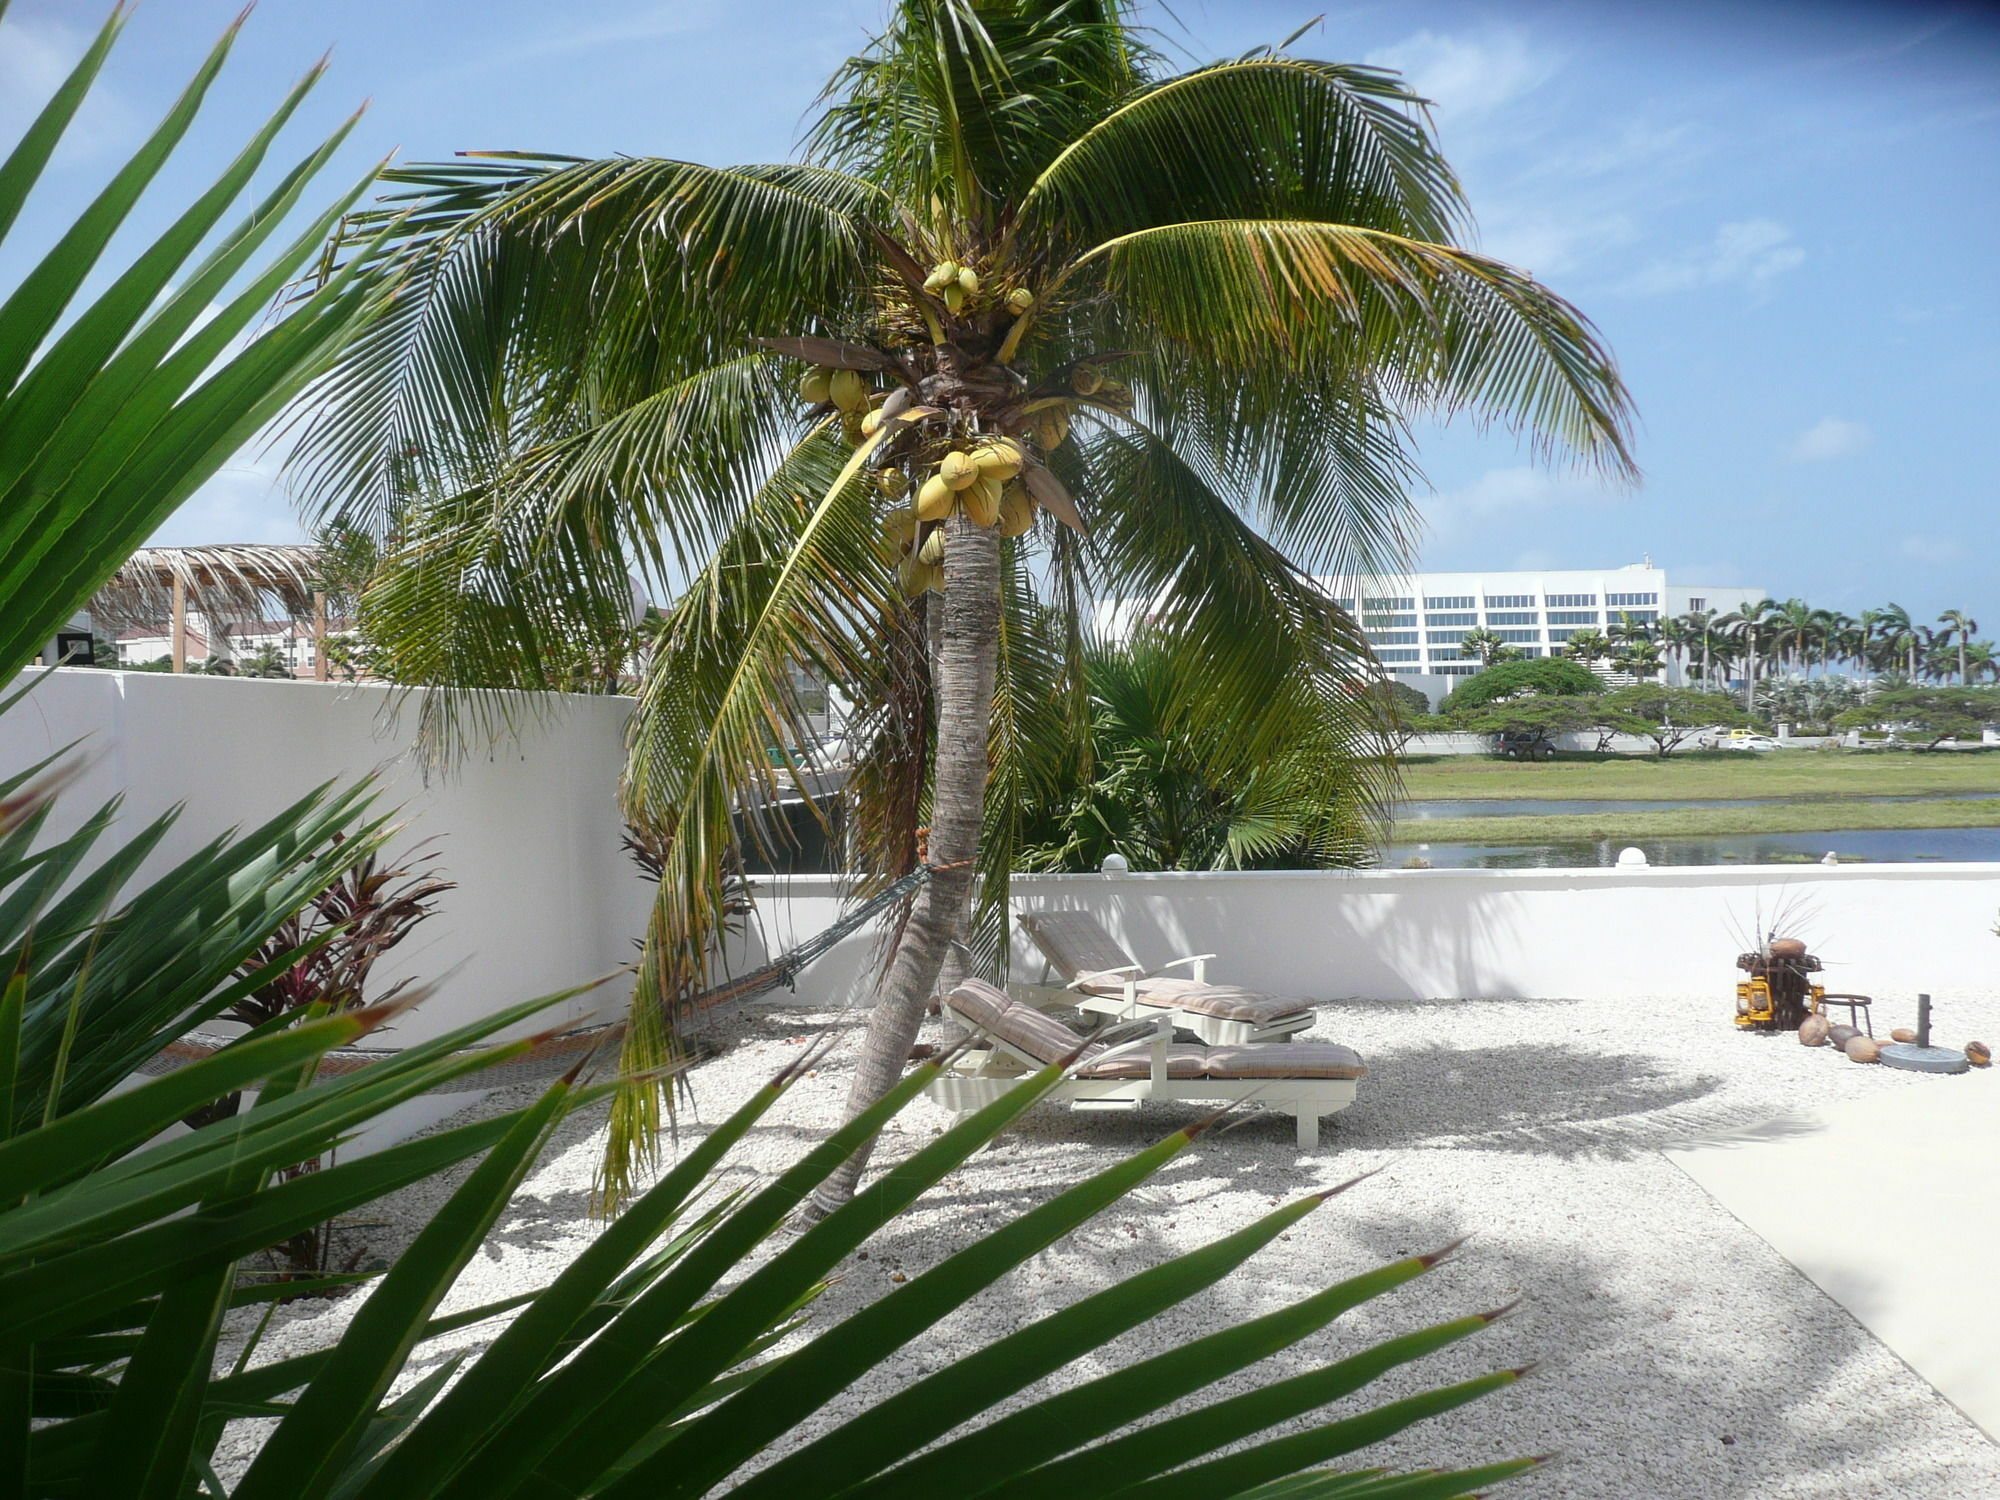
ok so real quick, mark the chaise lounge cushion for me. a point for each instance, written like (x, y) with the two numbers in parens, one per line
(1292, 1060)
(1225, 1002)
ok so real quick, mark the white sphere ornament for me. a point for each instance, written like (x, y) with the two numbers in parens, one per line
(1115, 864)
(1631, 858)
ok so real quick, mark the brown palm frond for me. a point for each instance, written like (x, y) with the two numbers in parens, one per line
(236, 581)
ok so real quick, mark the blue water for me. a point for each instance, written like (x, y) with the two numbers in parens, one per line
(1535, 807)
(1877, 846)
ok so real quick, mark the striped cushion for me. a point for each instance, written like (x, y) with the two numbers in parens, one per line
(1285, 1060)
(1225, 1002)
(1182, 1062)
(1042, 1037)
(1074, 942)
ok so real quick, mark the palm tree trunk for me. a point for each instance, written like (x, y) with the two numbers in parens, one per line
(964, 671)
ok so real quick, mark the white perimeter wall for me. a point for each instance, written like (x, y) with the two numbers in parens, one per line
(547, 898)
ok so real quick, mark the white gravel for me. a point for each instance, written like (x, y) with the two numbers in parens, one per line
(1682, 1356)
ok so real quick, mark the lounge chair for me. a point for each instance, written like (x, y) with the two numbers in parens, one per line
(1309, 1079)
(1099, 976)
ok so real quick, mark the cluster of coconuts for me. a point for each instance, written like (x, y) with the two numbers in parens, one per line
(982, 479)
(1815, 1031)
(954, 284)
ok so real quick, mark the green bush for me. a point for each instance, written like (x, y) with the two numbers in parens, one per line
(1551, 675)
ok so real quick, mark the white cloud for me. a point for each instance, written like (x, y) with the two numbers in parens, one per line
(1463, 76)
(1932, 549)
(1749, 251)
(1829, 437)
(1509, 492)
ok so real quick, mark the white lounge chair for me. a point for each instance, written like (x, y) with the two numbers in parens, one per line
(1308, 1079)
(1099, 976)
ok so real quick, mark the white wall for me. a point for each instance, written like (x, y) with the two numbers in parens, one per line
(546, 897)
(1607, 934)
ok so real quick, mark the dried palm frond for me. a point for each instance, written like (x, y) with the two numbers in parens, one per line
(236, 581)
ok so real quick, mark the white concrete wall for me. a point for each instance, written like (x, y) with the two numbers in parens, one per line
(546, 897)
(1592, 934)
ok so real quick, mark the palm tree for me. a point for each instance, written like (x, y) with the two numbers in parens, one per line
(1021, 263)
(1483, 645)
(1899, 636)
(1978, 659)
(1749, 627)
(1959, 629)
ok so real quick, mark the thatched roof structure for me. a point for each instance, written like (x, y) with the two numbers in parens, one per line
(242, 581)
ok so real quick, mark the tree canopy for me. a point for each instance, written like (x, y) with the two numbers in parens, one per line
(1508, 679)
(1671, 716)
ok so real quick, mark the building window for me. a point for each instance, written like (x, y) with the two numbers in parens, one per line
(1444, 637)
(1638, 614)
(1515, 618)
(1519, 635)
(1572, 601)
(1572, 617)
(1449, 601)
(1387, 622)
(1346, 604)
(1454, 671)
(1399, 656)
(1510, 601)
(1388, 603)
(1559, 636)
(1392, 638)
(1615, 600)
(1696, 606)
(1407, 671)
(1451, 619)
(1530, 651)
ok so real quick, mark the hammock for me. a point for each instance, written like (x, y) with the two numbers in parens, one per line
(559, 1053)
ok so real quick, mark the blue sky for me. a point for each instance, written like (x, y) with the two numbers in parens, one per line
(1781, 216)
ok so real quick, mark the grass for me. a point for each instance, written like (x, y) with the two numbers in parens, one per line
(1769, 817)
(1722, 773)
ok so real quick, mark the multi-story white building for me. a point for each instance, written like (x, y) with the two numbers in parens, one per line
(1416, 623)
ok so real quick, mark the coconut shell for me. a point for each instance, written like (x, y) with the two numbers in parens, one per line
(982, 501)
(1979, 1054)
(957, 469)
(1902, 1034)
(893, 482)
(848, 390)
(1017, 511)
(1812, 1031)
(999, 459)
(935, 499)
(1863, 1049)
(1840, 1036)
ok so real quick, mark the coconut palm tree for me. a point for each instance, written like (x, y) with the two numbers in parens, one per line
(1978, 659)
(1959, 629)
(1483, 645)
(1035, 320)
(1750, 628)
(1901, 637)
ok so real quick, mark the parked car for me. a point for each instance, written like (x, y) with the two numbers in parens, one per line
(1524, 744)
(1736, 739)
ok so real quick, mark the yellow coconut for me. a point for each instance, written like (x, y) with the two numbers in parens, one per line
(934, 499)
(900, 527)
(1051, 427)
(1017, 510)
(968, 281)
(944, 272)
(871, 424)
(848, 390)
(954, 297)
(982, 501)
(1085, 380)
(998, 458)
(912, 575)
(1020, 299)
(815, 386)
(893, 482)
(957, 469)
(932, 550)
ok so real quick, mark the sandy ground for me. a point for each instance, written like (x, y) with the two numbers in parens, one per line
(1683, 1357)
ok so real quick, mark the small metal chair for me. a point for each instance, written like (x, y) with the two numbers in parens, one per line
(1857, 1009)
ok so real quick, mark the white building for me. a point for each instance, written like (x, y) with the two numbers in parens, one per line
(1416, 623)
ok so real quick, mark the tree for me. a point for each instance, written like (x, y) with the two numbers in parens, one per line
(1587, 646)
(1550, 675)
(1483, 644)
(1959, 630)
(1198, 302)
(1176, 781)
(266, 661)
(1550, 715)
(1750, 629)
(1808, 703)
(1670, 716)
(1935, 713)
(1901, 637)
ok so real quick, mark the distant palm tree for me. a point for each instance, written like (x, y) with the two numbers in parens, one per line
(1750, 628)
(1959, 629)
(1900, 635)
(1978, 659)
(1796, 628)
(1485, 646)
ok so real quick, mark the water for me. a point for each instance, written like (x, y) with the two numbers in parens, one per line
(1875, 845)
(1548, 807)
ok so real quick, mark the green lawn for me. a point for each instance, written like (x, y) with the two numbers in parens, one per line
(1778, 773)
(1768, 817)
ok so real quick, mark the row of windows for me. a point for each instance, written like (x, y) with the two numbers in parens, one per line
(1451, 619)
(1572, 617)
(1514, 617)
(1387, 622)
(1449, 601)
(1388, 604)
(1444, 637)
(1572, 601)
(1519, 635)
(1638, 614)
(1400, 655)
(1560, 636)
(1392, 638)
(1510, 601)
(1454, 671)
(1614, 600)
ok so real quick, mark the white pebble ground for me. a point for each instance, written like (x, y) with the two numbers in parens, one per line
(1683, 1359)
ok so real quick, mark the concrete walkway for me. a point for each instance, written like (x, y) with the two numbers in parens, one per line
(1892, 1206)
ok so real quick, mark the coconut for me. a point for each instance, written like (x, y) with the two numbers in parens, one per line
(934, 499)
(1085, 380)
(1017, 510)
(968, 281)
(958, 469)
(932, 551)
(848, 390)
(1812, 1031)
(871, 424)
(911, 575)
(815, 386)
(999, 458)
(1902, 1034)
(1840, 1036)
(1979, 1054)
(1863, 1049)
(982, 501)
(900, 526)
(893, 482)
(954, 297)
(942, 274)
(1020, 299)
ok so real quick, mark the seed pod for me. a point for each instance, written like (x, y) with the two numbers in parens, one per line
(935, 499)
(1020, 299)
(932, 550)
(1812, 1031)
(893, 482)
(1017, 510)
(954, 297)
(943, 272)
(998, 458)
(1863, 1049)
(968, 281)
(1085, 380)
(1979, 1054)
(957, 469)
(848, 390)
(982, 501)
(815, 386)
